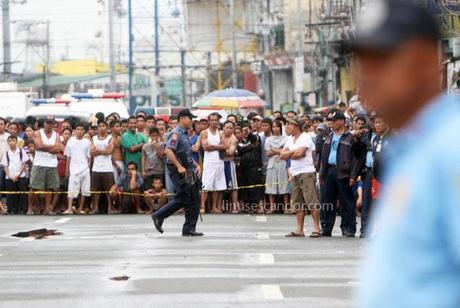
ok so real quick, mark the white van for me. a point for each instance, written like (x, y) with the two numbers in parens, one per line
(15, 104)
(97, 101)
(58, 111)
(106, 106)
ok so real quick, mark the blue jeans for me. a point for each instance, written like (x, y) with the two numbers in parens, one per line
(341, 190)
(186, 196)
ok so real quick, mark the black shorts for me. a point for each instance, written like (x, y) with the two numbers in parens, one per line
(102, 181)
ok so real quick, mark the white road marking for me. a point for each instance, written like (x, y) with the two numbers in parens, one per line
(354, 283)
(263, 236)
(272, 292)
(258, 259)
(266, 258)
(261, 218)
(62, 220)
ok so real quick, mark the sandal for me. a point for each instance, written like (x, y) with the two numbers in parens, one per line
(315, 234)
(293, 234)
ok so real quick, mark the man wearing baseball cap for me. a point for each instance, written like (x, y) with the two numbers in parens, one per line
(299, 150)
(184, 174)
(414, 258)
(338, 174)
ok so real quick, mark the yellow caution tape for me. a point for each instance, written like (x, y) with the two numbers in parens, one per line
(52, 192)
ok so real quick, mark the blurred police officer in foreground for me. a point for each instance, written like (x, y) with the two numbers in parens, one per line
(184, 173)
(414, 259)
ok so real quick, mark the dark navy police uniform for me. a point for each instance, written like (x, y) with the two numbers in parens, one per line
(186, 186)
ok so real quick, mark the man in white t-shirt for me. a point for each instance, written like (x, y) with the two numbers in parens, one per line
(304, 197)
(77, 151)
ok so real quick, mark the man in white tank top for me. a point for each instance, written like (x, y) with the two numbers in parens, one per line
(213, 165)
(44, 174)
(102, 173)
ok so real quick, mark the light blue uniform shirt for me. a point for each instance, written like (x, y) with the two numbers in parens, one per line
(332, 160)
(414, 259)
(370, 154)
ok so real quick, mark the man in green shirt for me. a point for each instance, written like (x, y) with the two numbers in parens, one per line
(132, 143)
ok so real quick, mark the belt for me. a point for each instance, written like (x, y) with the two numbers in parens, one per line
(332, 166)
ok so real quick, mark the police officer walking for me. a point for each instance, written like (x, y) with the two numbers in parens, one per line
(185, 174)
(338, 173)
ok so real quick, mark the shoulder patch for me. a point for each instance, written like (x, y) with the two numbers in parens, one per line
(174, 136)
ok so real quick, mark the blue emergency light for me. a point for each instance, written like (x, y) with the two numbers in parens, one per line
(94, 96)
(41, 101)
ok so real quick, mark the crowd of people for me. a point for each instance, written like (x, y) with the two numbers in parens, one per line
(284, 163)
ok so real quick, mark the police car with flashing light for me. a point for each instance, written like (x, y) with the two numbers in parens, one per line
(80, 105)
(97, 101)
(58, 108)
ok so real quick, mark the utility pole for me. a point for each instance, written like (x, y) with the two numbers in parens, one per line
(6, 37)
(234, 58)
(219, 47)
(113, 81)
(208, 70)
(47, 61)
(183, 77)
(300, 27)
(157, 46)
(300, 62)
(157, 39)
(132, 103)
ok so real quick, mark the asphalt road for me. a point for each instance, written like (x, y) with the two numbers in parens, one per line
(243, 261)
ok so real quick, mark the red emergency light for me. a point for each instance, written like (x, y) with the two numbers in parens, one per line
(110, 95)
(41, 101)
